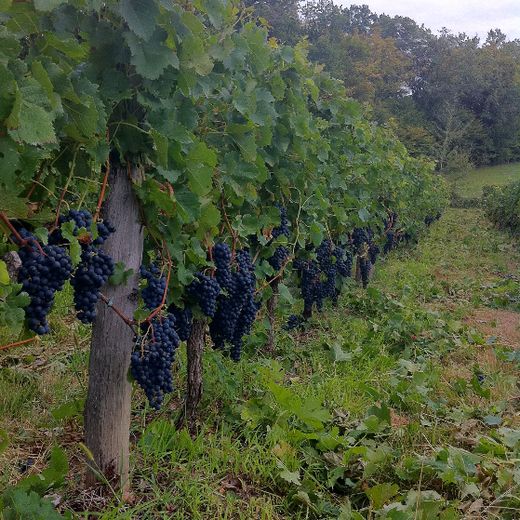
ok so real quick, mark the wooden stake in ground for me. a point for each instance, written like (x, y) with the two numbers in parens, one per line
(195, 348)
(272, 303)
(107, 409)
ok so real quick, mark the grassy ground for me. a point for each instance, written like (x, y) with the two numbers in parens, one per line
(402, 402)
(471, 184)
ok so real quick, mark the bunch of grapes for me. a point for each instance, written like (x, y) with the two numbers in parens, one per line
(205, 291)
(42, 275)
(279, 258)
(153, 293)
(373, 252)
(82, 220)
(390, 242)
(293, 322)
(343, 261)
(222, 258)
(237, 309)
(310, 283)
(360, 236)
(183, 320)
(104, 229)
(91, 275)
(328, 268)
(283, 228)
(153, 356)
(364, 269)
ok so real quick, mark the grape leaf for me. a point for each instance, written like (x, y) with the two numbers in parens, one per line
(121, 274)
(140, 16)
(47, 5)
(4, 274)
(151, 58)
(29, 122)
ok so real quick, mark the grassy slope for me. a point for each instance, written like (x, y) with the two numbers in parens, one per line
(406, 344)
(471, 184)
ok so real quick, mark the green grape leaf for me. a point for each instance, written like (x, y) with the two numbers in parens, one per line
(121, 274)
(67, 230)
(381, 494)
(42, 234)
(47, 5)
(161, 147)
(316, 232)
(193, 55)
(200, 179)
(69, 409)
(364, 215)
(4, 274)
(188, 205)
(285, 294)
(210, 216)
(140, 15)
(29, 122)
(151, 58)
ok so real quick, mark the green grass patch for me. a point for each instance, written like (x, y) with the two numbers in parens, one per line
(469, 185)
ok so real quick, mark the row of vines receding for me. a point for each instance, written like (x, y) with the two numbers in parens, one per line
(253, 178)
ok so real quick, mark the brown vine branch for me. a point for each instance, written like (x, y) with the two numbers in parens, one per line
(11, 228)
(103, 191)
(267, 283)
(156, 311)
(118, 311)
(19, 240)
(17, 343)
(33, 186)
(233, 233)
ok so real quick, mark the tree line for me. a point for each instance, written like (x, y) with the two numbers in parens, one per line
(450, 96)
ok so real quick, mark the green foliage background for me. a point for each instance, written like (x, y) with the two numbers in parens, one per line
(223, 121)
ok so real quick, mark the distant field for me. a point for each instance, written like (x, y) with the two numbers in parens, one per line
(470, 184)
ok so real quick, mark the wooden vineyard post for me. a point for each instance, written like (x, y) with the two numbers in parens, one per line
(108, 404)
(272, 303)
(195, 349)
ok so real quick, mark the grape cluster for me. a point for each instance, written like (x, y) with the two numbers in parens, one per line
(82, 220)
(373, 252)
(293, 322)
(41, 276)
(283, 228)
(222, 258)
(104, 229)
(360, 236)
(153, 293)
(309, 282)
(153, 356)
(205, 290)
(279, 258)
(92, 273)
(390, 242)
(237, 309)
(430, 219)
(183, 320)
(328, 268)
(343, 261)
(364, 270)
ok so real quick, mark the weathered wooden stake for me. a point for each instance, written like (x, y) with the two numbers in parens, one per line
(195, 348)
(272, 304)
(108, 404)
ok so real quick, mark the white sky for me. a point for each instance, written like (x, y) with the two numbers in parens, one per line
(469, 16)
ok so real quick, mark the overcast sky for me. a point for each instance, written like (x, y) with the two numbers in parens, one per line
(469, 16)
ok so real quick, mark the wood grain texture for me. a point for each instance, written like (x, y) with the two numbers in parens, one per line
(108, 405)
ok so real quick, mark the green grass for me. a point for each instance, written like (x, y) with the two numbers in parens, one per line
(470, 185)
(293, 435)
